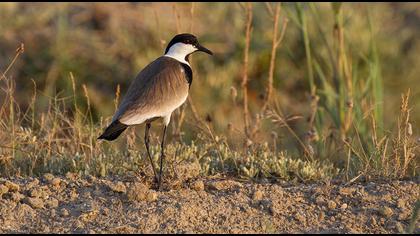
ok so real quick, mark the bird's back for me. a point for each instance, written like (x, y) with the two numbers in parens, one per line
(158, 89)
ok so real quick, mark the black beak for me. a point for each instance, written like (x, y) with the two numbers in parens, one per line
(203, 49)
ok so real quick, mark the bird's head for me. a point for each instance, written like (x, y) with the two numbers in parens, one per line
(182, 45)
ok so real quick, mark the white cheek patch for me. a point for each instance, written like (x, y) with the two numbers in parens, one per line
(179, 51)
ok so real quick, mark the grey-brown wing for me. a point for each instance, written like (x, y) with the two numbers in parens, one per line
(156, 91)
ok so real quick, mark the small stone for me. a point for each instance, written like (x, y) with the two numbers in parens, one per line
(257, 196)
(12, 186)
(73, 194)
(320, 200)
(17, 197)
(151, 196)
(332, 205)
(91, 178)
(106, 211)
(87, 195)
(118, 187)
(265, 204)
(373, 221)
(64, 212)
(36, 192)
(382, 221)
(188, 170)
(33, 183)
(347, 191)
(300, 218)
(273, 209)
(223, 185)
(321, 216)
(48, 177)
(56, 181)
(344, 206)
(405, 215)
(401, 203)
(25, 209)
(52, 203)
(34, 202)
(137, 192)
(53, 213)
(386, 211)
(71, 176)
(198, 185)
(3, 189)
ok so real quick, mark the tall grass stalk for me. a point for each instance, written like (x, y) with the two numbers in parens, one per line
(244, 84)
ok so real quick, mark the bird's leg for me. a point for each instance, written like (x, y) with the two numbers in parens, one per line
(146, 142)
(162, 155)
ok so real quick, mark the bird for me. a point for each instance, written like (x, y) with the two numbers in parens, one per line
(159, 89)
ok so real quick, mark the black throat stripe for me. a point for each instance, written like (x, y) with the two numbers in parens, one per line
(188, 73)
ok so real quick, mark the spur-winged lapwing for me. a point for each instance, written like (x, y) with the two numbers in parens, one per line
(159, 89)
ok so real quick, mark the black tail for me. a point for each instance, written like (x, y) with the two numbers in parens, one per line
(113, 131)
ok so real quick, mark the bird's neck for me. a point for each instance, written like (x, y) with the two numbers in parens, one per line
(180, 52)
(182, 59)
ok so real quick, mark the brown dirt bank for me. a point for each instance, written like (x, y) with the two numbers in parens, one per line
(86, 205)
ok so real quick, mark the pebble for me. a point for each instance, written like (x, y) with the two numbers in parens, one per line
(12, 186)
(73, 194)
(404, 215)
(48, 177)
(198, 185)
(257, 196)
(34, 202)
(321, 216)
(17, 197)
(56, 181)
(401, 203)
(151, 196)
(332, 205)
(33, 183)
(64, 212)
(386, 211)
(319, 200)
(300, 218)
(91, 178)
(137, 192)
(223, 185)
(372, 221)
(52, 203)
(71, 176)
(3, 189)
(140, 192)
(344, 206)
(36, 192)
(347, 191)
(118, 187)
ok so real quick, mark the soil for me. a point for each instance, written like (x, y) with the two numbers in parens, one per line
(71, 204)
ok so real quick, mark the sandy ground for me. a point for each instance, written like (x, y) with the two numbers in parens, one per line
(69, 204)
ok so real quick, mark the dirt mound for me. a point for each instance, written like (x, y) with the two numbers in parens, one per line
(87, 205)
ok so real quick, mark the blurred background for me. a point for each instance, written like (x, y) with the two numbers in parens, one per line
(98, 47)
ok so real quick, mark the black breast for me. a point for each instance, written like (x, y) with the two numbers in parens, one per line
(188, 73)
